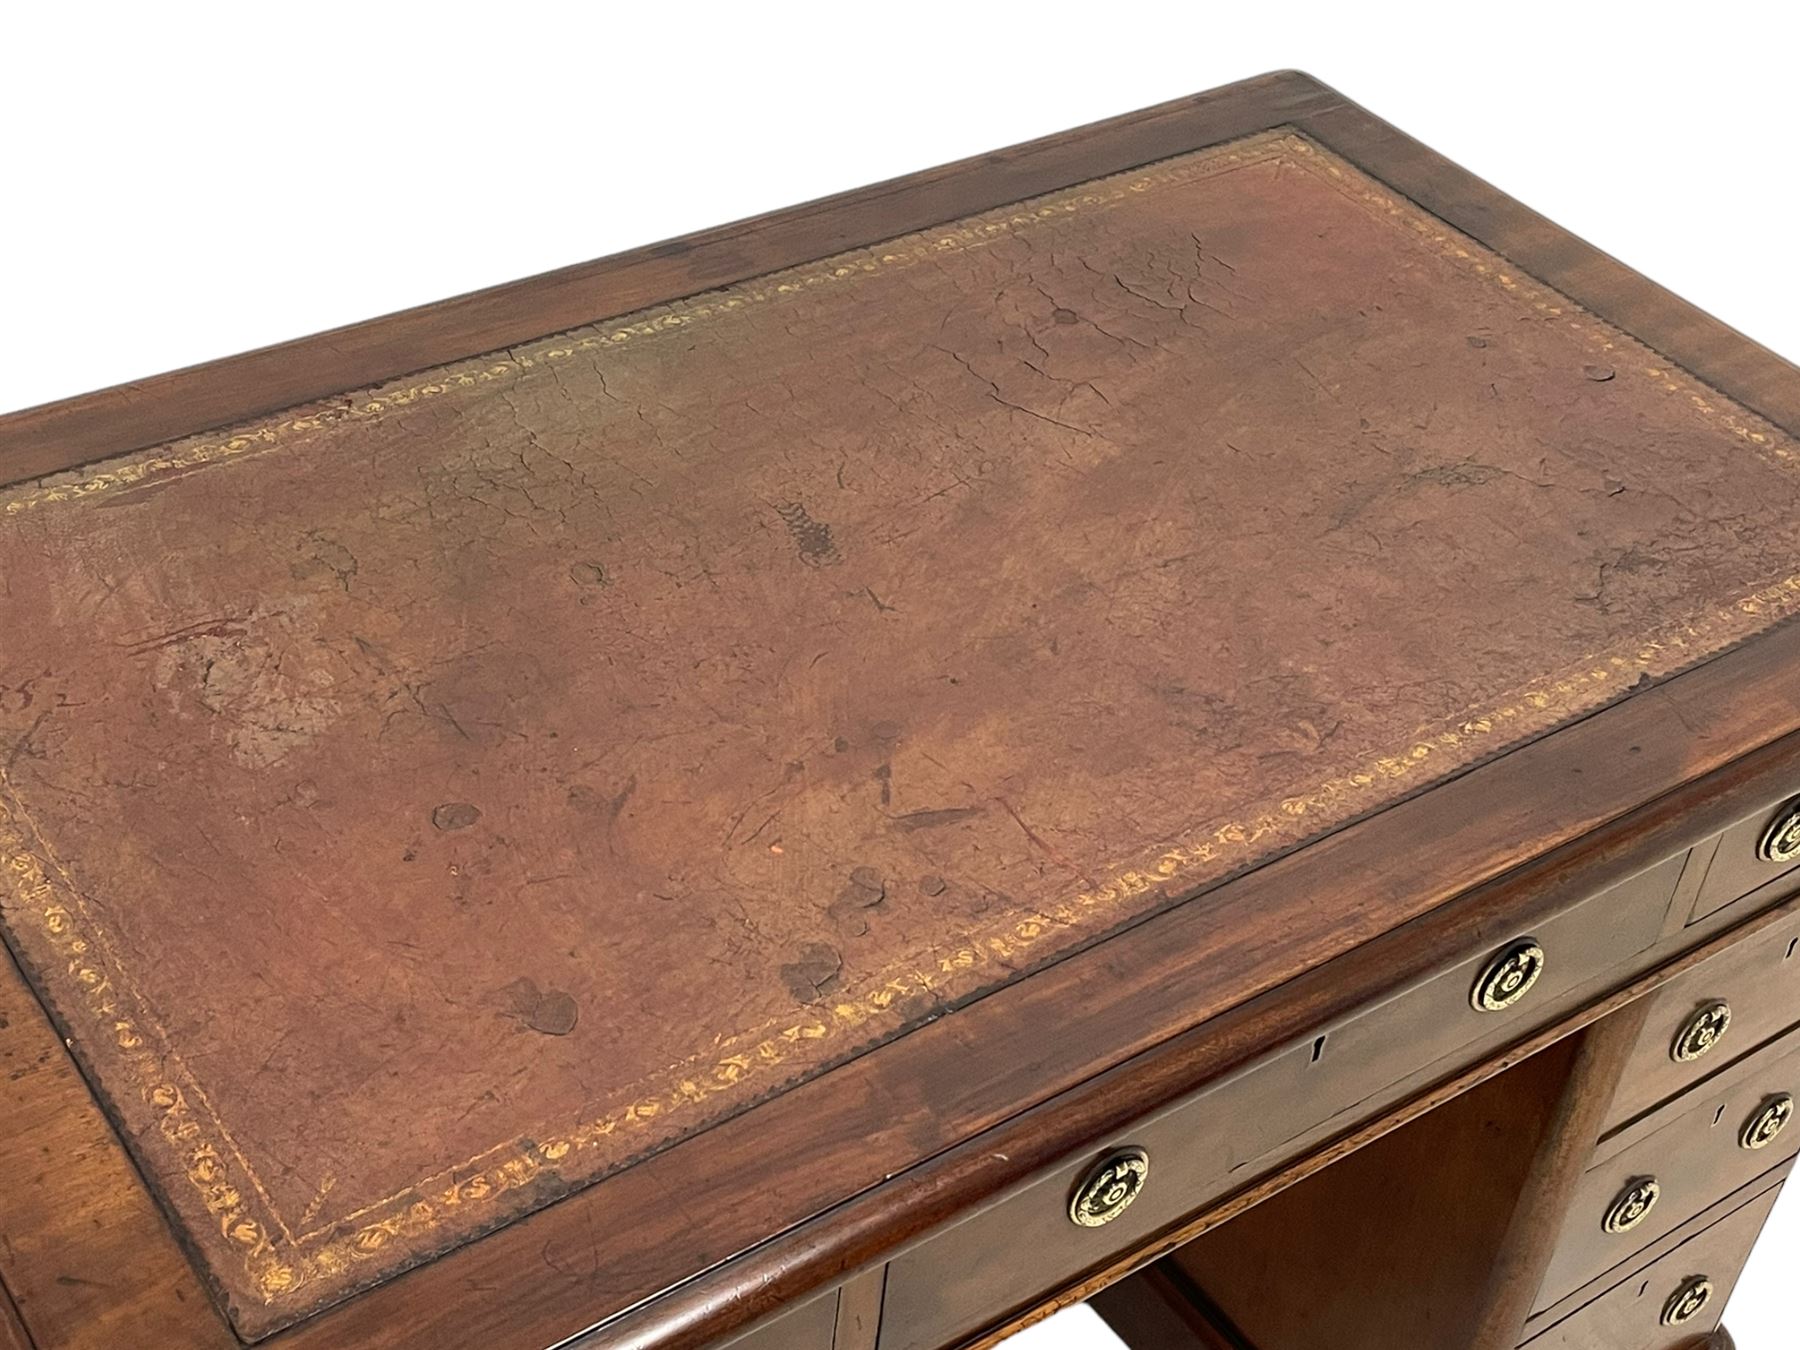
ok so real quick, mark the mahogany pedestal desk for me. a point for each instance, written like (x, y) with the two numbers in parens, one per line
(1198, 713)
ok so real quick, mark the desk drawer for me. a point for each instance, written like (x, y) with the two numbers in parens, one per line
(812, 1326)
(1654, 1308)
(1751, 854)
(1700, 1022)
(1653, 1176)
(1013, 1254)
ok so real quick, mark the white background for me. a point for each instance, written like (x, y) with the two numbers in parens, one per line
(183, 182)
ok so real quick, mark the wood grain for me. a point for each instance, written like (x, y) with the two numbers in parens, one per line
(1251, 1124)
(1759, 981)
(1356, 1258)
(1523, 1252)
(1736, 870)
(1691, 1148)
(1162, 1309)
(84, 1250)
(859, 1310)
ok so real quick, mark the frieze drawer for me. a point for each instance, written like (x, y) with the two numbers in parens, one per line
(1248, 1125)
(1757, 850)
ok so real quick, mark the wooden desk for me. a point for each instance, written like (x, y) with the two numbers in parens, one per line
(1197, 712)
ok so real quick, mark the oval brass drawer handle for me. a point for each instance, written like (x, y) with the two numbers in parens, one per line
(1109, 1189)
(1781, 841)
(1508, 977)
(1701, 1032)
(1771, 1119)
(1633, 1205)
(1688, 1301)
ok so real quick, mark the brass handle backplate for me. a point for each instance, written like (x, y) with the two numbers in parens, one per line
(1771, 1119)
(1701, 1032)
(1633, 1204)
(1108, 1190)
(1688, 1301)
(1781, 841)
(1508, 977)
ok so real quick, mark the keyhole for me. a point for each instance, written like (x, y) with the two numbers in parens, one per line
(1319, 1049)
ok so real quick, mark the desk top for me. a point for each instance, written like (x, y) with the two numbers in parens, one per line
(565, 749)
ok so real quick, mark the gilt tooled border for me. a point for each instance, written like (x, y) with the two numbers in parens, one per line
(281, 1264)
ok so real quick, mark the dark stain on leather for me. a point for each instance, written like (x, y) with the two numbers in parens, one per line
(553, 1012)
(455, 815)
(589, 574)
(931, 820)
(812, 537)
(815, 973)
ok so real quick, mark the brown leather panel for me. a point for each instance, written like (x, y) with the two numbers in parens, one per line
(441, 796)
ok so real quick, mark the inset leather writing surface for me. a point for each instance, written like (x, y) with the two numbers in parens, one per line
(568, 747)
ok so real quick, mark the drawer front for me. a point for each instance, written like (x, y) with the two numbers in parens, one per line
(1654, 1308)
(1751, 853)
(1703, 1021)
(1437, 1020)
(812, 1326)
(1660, 1174)
(1011, 1255)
